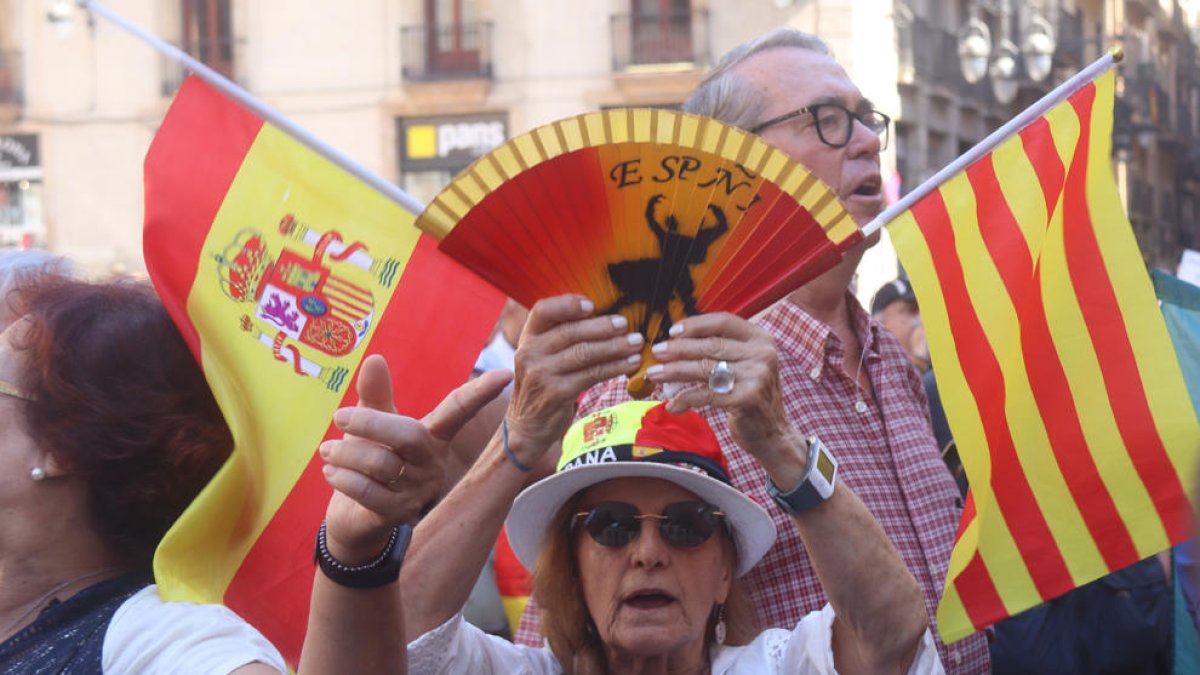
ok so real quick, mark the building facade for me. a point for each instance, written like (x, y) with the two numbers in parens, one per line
(416, 89)
(1156, 141)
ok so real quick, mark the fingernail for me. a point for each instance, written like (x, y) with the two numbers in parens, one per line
(342, 417)
(587, 305)
(634, 358)
(659, 348)
(676, 329)
(620, 322)
(635, 338)
(328, 470)
(654, 370)
(324, 450)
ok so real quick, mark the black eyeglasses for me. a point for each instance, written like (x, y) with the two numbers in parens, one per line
(835, 124)
(682, 524)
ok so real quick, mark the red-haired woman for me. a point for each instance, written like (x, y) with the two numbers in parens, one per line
(107, 431)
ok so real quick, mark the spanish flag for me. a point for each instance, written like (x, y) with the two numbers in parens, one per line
(1061, 385)
(283, 272)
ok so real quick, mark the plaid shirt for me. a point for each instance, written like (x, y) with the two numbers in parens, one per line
(886, 454)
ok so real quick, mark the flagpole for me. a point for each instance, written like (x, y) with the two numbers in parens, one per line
(1033, 112)
(258, 107)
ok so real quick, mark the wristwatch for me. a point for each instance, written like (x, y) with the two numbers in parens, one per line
(379, 572)
(817, 485)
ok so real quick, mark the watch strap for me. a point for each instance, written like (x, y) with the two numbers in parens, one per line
(816, 486)
(379, 572)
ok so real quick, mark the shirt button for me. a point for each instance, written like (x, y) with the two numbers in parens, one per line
(815, 372)
(957, 658)
(860, 407)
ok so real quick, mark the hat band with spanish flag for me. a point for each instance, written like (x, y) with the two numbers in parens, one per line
(640, 439)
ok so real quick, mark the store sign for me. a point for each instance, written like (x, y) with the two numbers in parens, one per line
(449, 143)
(19, 151)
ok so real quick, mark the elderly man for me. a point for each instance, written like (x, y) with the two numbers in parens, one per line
(846, 380)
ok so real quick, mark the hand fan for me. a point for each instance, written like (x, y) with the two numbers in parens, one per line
(653, 214)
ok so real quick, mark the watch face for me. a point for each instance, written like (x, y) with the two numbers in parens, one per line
(825, 466)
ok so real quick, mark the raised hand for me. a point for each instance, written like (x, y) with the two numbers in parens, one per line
(564, 350)
(757, 417)
(388, 467)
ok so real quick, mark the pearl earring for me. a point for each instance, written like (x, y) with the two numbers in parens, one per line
(719, 628)
(38, 473)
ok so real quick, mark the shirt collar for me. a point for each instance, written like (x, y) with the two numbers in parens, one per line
(813, 342)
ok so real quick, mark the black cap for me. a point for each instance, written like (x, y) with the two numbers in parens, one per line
(890, 292)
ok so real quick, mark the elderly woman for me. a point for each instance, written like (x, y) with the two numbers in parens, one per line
(107, 431)
(638, 539)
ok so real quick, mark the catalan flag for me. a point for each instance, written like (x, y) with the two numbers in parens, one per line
(283, 272)
(1061, 386)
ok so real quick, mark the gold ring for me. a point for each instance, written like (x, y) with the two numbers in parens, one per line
(393, 482)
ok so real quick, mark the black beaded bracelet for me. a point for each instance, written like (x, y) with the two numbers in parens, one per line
(381, 571)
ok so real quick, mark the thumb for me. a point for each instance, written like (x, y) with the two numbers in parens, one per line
(464, 403)
(375, 385)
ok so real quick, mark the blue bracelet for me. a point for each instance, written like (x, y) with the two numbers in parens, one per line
(508, 451)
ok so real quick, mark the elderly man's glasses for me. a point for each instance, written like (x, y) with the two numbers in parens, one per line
(835, 124)
(9, 389)
(682, 524)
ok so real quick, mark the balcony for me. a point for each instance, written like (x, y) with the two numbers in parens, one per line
(655, 41)
(12, 83)
(1141, 200)
(928, 55)
(1184, 126)
(454, 51)
(216, 54)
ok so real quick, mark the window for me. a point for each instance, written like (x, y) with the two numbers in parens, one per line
(208, 33)
(662, 31)
(453, 36)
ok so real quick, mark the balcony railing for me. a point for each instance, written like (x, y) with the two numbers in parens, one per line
(1168, 207)
(447, 51)
(1184, 126)
(669, 38)
(1141, 200)
(12, 82)
(928, 54)
(173, 73)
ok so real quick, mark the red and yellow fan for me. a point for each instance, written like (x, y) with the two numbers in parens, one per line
(653, 214)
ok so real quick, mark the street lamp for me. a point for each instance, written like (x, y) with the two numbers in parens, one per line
(977, 58)
(59, 11)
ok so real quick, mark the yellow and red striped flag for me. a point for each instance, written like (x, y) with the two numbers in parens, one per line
(1058, 376)
(283, 272)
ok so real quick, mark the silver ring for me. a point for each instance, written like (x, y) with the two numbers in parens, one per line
(720, 380)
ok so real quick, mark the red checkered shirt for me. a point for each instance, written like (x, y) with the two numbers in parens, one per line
(886, 454)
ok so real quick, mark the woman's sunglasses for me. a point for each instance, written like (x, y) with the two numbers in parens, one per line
(682, 524)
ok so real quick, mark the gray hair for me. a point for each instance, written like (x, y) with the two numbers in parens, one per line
(727, 96)
(18, 264)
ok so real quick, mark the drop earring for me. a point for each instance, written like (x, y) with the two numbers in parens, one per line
(37, 473)
(719, 628)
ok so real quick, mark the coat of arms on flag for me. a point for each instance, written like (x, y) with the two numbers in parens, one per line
(283, 272)
(308, 301)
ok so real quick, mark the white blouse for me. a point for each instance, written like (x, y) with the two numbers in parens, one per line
(458, 648)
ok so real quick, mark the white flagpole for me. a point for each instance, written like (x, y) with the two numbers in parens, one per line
(258, 107)
(1033, 112)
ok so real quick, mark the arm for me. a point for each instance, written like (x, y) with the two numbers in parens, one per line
(564, 350)
(357, 630)
(880, 612)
